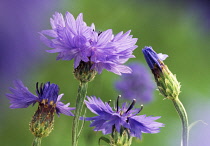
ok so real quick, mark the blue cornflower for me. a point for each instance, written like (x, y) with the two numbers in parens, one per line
(153, 59)
(108, 119)
(47, 96)
(137, 85)
(73, 39)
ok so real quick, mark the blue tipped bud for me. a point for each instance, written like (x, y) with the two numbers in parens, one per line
(167, 83)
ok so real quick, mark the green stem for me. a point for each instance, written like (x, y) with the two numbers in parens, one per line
(37, 141)
(183, 116)
(82, 90)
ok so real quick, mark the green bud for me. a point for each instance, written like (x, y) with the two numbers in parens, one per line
(167, 83)
(42, 122)
(121, 139)
(84, 73)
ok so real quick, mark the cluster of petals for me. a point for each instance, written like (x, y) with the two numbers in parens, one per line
(125, 116)
(21, 97)
(72, 39)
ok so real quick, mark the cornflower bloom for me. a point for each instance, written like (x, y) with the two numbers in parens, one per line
(73, 39)
(137, 85)
(121, 119)
(49, 102)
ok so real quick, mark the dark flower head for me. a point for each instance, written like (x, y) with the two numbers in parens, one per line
(47, 94)
(73, 39)
(124, 116)
(153, 59)
(137, 85)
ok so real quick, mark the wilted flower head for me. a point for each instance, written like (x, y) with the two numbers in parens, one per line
(167, 83)
(47, 94)
(73, 39)
(137, 85)
(42, 122)
(108, 119)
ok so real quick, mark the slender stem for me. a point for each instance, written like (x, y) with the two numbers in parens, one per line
(82, 125)
(183, 116)
(37, 141)
(82, 90)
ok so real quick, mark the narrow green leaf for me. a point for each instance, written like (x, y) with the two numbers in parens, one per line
(104, 139)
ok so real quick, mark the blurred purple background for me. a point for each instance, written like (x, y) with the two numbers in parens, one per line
(21, 48)
(21, 20)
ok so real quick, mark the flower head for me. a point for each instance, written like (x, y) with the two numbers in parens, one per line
(167, 83)
(72, 39)
(47, 95)
(108, 119)
(137, 85)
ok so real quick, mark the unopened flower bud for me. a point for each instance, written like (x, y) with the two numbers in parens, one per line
(121, 139)
(167, 83)
(84, 72)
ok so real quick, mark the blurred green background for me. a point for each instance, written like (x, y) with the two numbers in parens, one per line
(179, 29)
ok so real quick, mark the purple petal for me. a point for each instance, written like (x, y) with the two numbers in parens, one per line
(145, 124)
(79, 23)
(63, 108)
(45, 40)
(20, 96)
(70, 21)
(50, 33)
(161, 56)
(117, 69)
(104, 37)
(57, 20)
(97, 106)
